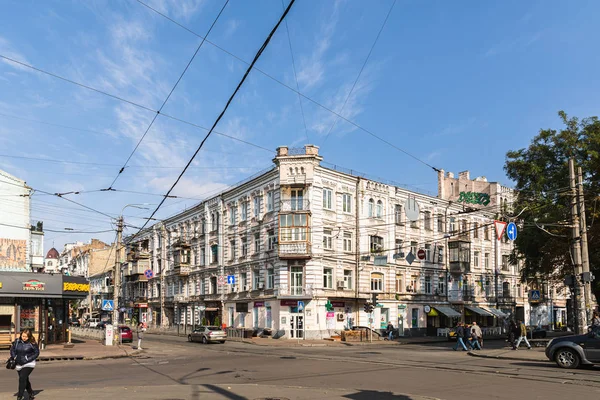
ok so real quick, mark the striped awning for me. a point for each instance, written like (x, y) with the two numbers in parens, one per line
(496, 312)
(480, 311)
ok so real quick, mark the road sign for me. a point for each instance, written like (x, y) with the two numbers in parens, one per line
(511, 231)
(108, 305)
(410, 258)
(411, 209)
(300, 306)
(500, 227)
(149, 274)
(421, 254)
(231, 279)
(221, 280)
(535, 295)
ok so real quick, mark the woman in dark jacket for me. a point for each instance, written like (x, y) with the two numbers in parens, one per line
(513, 334)
(25, 351)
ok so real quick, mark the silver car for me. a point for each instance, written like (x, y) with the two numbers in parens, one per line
(208, 334)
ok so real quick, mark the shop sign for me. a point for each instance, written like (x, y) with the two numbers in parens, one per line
(474, 198)
(340, 304)
(330, 314)
(142, 305)
(259, 304)
(289, 303)
(0, 285)
(34, 285)
(76, 287)
(401, 306)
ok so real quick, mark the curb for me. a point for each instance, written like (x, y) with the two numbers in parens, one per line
(480, 355)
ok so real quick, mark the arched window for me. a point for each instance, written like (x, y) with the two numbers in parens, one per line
(376, 282)
(379, 208)
(49, 263)
(371, 208)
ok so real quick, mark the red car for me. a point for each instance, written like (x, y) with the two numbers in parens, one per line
(126, 334)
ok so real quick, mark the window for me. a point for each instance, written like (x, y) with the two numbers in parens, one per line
(214, 250)
(213, 222)
(452, 225)
(398, 214)
(371, 208)
(506, 289)
(441, 255)
(255, 279)
(486, 233)
(347, 241)
(441, 284)
(414, 224)
(327, 199)
(399, 244)
(294, 227)
(428, 253)
(346, 203)
(376, 282)
(376, 244)
(202, 257)
(244, 215)
(243, 281)
(271, 239)
(328, 278)
(476, 230)
(486, 260)
(213, 285)
(257, 207)
(476, 259)
(440, 223)
(203, 226)
(379, 208)
(270, 278)
(233, 215)
(257, 243)
(244, 247)
(297, 281)
(297, 199)
(270, 200)
(232, 250)
(463, 226)
(399, 283)
(414, 283)
(347, 279)
(428, 284)
(427, 220)
(327, 239)
(505, 262)
(413, 248)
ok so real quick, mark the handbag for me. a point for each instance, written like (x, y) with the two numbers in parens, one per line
(11, 363)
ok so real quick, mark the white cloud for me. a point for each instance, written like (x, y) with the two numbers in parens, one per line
(184, 9)
(231, 27)
(7, 50)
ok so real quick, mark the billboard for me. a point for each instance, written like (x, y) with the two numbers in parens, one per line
(13, 253)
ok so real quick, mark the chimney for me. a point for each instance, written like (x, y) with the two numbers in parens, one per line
(282, 151)
(464, 175)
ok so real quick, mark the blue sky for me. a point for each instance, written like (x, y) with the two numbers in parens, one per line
(455, 84)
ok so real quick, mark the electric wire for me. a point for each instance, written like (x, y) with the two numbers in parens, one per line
(256, 57)
(360, 72)
(168, 96)
(65, 230)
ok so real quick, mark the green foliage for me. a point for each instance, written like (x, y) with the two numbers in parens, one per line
(217, 321)
(204, 321)
(541, 174)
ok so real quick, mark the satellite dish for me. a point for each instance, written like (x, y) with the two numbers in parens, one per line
(411, 209)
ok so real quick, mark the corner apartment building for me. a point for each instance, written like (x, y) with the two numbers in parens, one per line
(300, 248)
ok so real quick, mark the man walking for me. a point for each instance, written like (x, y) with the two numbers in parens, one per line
(522, 336)
(478, 333)
(390, 330)
(460, 336)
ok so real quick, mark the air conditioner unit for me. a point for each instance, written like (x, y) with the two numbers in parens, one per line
(233, 288)
(261, 286)
(341, 284)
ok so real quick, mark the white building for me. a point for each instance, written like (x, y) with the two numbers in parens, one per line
(304, 247)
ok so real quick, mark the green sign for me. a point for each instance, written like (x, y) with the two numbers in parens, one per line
(474, 198)
(401, 306)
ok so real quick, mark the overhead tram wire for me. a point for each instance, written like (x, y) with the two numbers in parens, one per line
(287, 29)
(256, 57)
(169, 96)
(360, 72)
(292, 89)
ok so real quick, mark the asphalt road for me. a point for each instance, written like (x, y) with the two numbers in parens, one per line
(173, 369)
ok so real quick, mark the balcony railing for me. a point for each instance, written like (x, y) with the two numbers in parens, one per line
(294, 250)
(295, 205)
(182, 270)
(294, 291)
(461, 295)
(459, 267)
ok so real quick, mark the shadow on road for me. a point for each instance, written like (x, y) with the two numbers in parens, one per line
(375, 394)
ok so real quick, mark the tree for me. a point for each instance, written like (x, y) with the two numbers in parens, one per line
(541, 174)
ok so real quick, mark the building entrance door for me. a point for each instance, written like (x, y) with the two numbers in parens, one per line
(296, 324)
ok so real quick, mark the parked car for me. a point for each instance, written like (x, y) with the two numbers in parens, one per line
(102, 324)
(207, 334)
(75, 322)
(573, 351)
(126, 334)
(534, 332)
(92, 322)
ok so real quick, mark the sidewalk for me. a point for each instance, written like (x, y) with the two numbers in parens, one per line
(535, 354)
(83, 349)
(208, 391)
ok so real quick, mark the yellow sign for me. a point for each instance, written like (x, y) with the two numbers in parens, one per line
(0, 285)
(76, 287)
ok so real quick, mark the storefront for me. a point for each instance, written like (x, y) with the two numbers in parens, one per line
(40, 302)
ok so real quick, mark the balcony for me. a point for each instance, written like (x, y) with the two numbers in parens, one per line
(141, 254)
(459, 267)
(461, 295)
(294, 250)
(295, 205)
(295, 292)
(138, 267)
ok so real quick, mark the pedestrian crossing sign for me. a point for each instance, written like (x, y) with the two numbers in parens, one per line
(535, 296)
(108, 305)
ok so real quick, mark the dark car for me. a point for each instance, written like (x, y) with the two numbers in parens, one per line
(126, 334)
(534, 332)
(573, 351)
(75, 322)
(102, 324)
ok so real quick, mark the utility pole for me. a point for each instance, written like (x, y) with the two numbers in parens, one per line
(578, 298)
(585, 258)
(117, 272)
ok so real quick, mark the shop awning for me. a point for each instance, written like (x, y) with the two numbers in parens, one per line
(211, 309)
(447, 311)
(480, 311)
(496, 312)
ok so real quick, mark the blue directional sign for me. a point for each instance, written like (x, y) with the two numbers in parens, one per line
(108, 305)
(300, 306)
(231, 279)
(511, 231)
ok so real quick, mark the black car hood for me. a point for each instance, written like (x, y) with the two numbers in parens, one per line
(572, 338)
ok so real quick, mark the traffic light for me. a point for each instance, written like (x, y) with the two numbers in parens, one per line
(367, 308)
(374, 298)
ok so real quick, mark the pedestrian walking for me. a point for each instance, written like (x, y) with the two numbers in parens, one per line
(595, 321)
(477, 329)
(140, 334)
(513, 332)
(460, 337)
(475, 345)
(390, 331)
(522, 335)
(25, 351)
